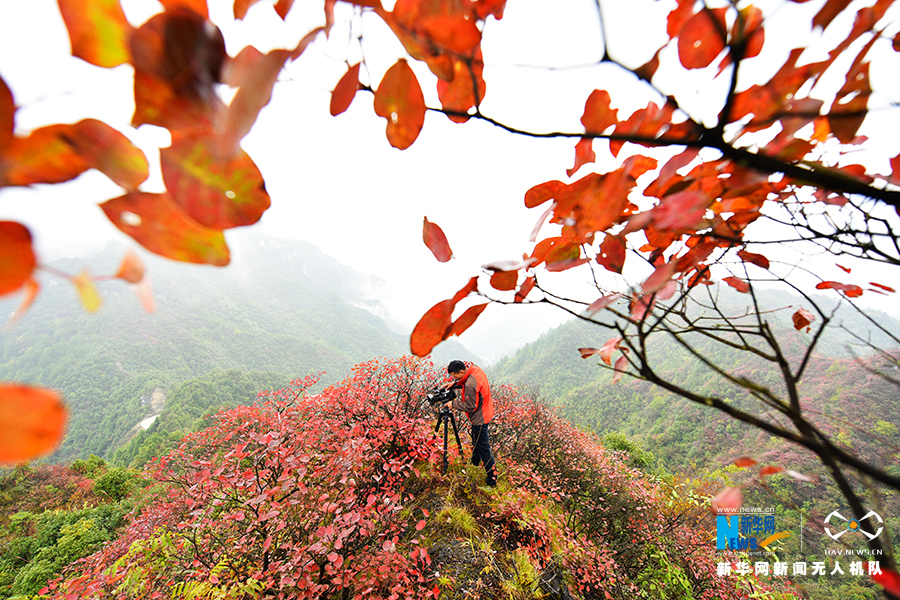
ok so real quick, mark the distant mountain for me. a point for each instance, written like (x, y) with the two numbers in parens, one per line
(281, 307)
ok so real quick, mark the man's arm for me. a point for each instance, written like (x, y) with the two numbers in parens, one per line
(466, 400)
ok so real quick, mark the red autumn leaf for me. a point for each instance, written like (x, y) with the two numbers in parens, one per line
(87, 292)
(757, 259)
(659, 278)
(158, 224)
(612, 253)
(678, 17)
(588, 352)
(584, 153)
(465, 90)
(828, 12)
(601, 303)
(30, 290)
(241, 7)
(744, 461)
(466, 319)
(598, 116)
(198, 6)
(702, 38)
(504, 281)
(436, 325)
(542, 192)
(399, 99)
(98, 31)
(254, 92)
(434, 238)
(345, 91)
(620, 366)
(769, 470)
(215, 193)
(32, 422)
(851, 291)
(803, 318)
(60, 153)
(752, 32)
(283, 7)
(884, 287)
(178, 57)
(738, 284)
(524, 289)
(609, 348)
(132, 267)
(728, 500)
(842, 268)
(18, 256)
(888, 579)
(144, 292)
(7, 119)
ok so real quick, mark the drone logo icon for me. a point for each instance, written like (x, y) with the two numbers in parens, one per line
(853, 525)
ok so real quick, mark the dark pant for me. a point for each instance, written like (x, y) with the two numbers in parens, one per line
(481, 451)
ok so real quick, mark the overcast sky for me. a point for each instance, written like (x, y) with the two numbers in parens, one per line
(336, 182)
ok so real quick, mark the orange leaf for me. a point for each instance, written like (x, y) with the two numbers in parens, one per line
(851, 291)
(620, 366)
(542, 192)
(738, 284)
(757, 259)
(7, 118)
(30, 289)
(467, 319)
(218, 194)
(283, 7)
(254, 93)
(609, 348)
(18, 256)
(702, 38)
(465, 90)
(803, 318)
(588, 352)
(430, 330)
(158, 224)
(132, 267)
(524, 289)
(888, 579)
(601, 303)
(32, 422)
(884, 287)
(198, 6)
(770, 470)
(345, 91)
(598, 116)
(144, 292)
(98, 31)
(178, 57)
(87, 292)
(730, 499)
(744, 461)
(434, 238)
(842, 268)
(504, 281)
(584, 153)
(399, 99)
(59, 153)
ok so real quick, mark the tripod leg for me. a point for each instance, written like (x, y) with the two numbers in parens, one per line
(462, 455)
(444, 464)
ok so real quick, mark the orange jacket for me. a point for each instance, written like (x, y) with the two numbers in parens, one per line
(476, 397)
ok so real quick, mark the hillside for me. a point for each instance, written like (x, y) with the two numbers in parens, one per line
(340, 494)
(281, 307)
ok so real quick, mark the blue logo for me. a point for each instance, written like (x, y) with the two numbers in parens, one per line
(746, 532)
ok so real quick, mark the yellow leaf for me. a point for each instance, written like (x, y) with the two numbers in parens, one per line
(87, 292)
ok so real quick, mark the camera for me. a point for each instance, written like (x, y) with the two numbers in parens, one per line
(440, 396)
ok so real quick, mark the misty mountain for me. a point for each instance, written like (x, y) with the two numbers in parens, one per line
(282, 308)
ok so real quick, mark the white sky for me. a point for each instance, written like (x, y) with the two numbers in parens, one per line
(336, 182)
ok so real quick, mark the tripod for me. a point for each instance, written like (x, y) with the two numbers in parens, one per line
(445, 416)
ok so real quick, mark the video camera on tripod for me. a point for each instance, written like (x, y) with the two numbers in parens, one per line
(442, 396)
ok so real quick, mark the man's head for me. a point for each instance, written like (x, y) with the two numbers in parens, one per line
(457, 369)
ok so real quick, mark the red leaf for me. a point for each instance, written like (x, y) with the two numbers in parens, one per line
(465, 90)
(803, 318)
(399, 99)
(588, 352)
(542, 192)
(842, 268)
(659, 278)
(584, 153)
(702, 38)
(620, 367)
(601, 303)
(524, 289)
(829, 11)
(345, 91)
(436, 325)
(158, 224)
(729, 500)
(612, 253)
(7, 117)
(434, 238)
(851, 291)
(466, 319)
(30, 289)
(598, 116)
(132, 267)
(504, 281)
(32, 422)
(609, 348)
(769, 470)
(888, 579)
(884, 287)
(216, 193)
(738, 284)
(18, 256)
(757, 259)
(744, 461)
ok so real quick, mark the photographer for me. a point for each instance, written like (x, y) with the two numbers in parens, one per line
(475, 401)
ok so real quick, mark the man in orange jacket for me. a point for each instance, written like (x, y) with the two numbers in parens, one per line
(475, 401)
